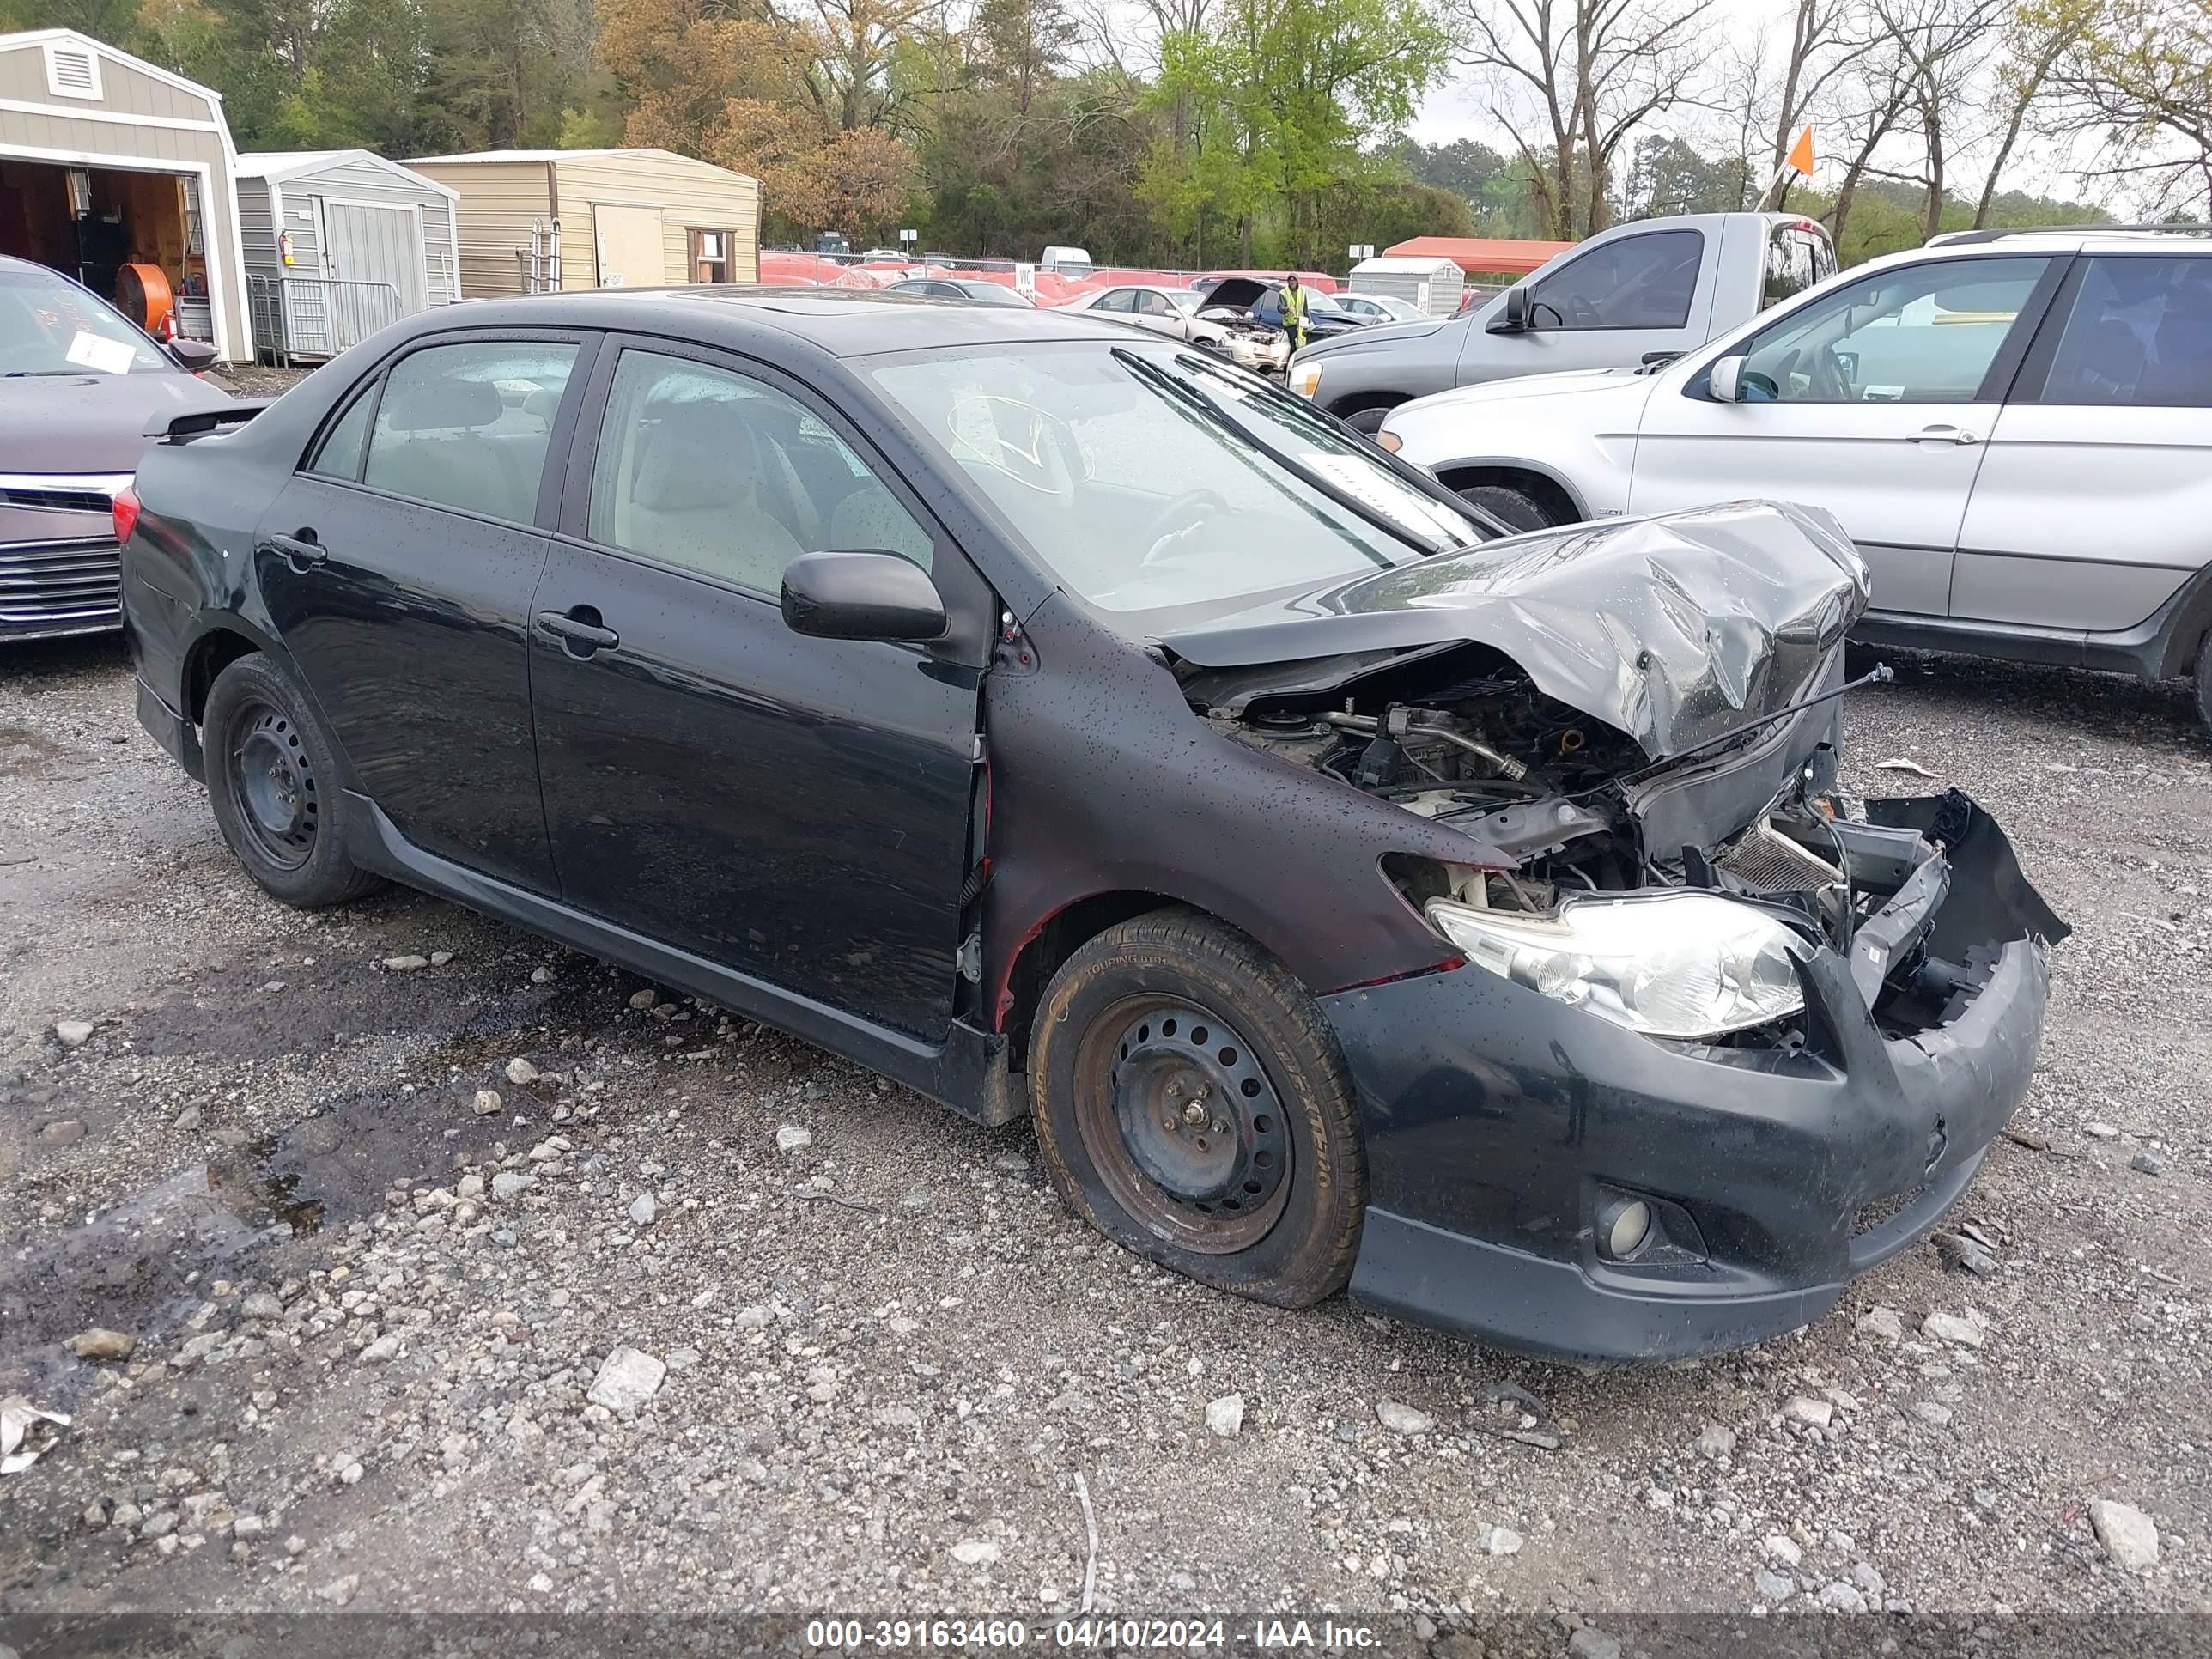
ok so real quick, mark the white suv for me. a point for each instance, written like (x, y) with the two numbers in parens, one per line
(2014, 427)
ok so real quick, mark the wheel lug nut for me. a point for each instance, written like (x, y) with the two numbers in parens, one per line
(1220, 1128)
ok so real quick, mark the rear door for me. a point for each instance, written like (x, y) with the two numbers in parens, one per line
(2095, 491)
(795, 809)
(1874, 402)
(398, 566)
(1605, 308)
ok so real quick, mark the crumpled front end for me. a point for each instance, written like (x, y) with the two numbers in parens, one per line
(1550, 1180)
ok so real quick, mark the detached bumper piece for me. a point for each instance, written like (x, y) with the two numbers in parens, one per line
(1547, 1182)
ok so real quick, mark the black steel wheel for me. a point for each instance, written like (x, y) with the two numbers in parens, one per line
(272, 779)
(1192, 1104)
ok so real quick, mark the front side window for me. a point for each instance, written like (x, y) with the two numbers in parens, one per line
(53, 327)
(1796, 258)
(1638, 282)
(1153, 305)
(1150, 479)
(1918, 334)
(2140, 333)
(467, 425)
(719, 474)
(1115, 299)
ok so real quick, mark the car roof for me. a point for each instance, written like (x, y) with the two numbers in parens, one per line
(842, 322)
(2074, 239)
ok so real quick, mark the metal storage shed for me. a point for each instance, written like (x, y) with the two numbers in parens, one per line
(338, 244)
(108, 161)
(539, 221)
(1432, 284)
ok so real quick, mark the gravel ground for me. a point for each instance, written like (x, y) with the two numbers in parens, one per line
(394, 1201)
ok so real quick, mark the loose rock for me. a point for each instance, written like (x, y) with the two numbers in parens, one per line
(1715, 1441)
(406, 964)
(2149, 1164)
(488, 1103)
(1882, 1324)
(73, 1033)
(520, 1071)
(101, 1344)
(1402, 1418)
(643, 1208)
(790, 1137)
(630, 1377)
(2129, 1535)
(1803, 1408)
(976, 1552)
(1498, 1540)
(1225, 1416)
(1591, 1642)
(1949, 1327)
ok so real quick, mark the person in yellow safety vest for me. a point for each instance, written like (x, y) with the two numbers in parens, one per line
(1294, 311)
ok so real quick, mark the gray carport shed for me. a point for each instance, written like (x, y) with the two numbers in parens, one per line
(106, 160)
(340, 242)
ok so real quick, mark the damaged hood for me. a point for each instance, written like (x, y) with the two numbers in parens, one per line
(1673, 628)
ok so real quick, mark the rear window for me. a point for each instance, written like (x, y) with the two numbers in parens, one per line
(1798, 257)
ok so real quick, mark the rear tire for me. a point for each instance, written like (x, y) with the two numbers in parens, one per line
(2204, 680)
(1517, 511)
(273, 780)
(1192, 1104)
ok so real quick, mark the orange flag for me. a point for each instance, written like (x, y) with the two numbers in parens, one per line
(1801, 152)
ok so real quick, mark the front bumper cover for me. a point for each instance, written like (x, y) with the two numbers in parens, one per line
(1499, 1123)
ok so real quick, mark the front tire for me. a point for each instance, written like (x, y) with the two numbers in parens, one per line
(273, 780)
(1514, 509)
(1193, 1105)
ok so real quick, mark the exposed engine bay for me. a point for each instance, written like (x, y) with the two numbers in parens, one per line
(1583, 814)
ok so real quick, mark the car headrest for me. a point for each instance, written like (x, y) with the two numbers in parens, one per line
(441, 405)
(701, 454)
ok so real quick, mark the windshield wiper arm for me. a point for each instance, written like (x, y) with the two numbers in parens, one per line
(43, 373)
(1158, 378)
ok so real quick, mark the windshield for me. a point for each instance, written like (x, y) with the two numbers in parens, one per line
(1182, 299)
(50, 326)
(1148, 479)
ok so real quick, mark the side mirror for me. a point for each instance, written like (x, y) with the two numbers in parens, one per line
(1725, 379)
(192, 354)
(1514, 318)
(860, 594)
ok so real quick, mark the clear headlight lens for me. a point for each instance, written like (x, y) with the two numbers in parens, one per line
(1688, 964)
(1305, 379)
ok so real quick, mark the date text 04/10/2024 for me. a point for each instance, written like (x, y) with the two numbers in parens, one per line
(1165, 1635)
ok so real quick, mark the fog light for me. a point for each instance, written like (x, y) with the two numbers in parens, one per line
(1624, 1224)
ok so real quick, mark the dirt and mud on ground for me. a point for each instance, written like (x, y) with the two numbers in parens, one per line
(376, 1197)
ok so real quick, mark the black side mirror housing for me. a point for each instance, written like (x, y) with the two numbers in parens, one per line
(192, 354)
(861, 593)
(1514, 318)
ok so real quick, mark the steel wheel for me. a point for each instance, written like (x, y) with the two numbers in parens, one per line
(272, 784)
(1183, 1125)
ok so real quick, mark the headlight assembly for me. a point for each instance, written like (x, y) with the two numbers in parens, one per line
(1682, 964)
(1305, 379)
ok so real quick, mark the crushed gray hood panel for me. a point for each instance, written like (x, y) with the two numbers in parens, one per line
(1672, 628)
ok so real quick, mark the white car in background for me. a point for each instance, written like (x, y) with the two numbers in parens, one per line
(1380, 308)
(1170, 311)
(2014, 427)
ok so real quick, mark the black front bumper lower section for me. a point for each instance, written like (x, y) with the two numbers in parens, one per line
(1501, 1127)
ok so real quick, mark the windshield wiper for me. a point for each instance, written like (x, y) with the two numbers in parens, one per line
(1168, 385)
(43, 373)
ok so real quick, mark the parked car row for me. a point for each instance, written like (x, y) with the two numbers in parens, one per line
(2015, 428)
(1059, 719)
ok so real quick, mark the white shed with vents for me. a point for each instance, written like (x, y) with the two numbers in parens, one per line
(340, 242)
(1432, 284)
(117, 172)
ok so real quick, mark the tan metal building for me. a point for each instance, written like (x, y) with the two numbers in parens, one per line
(540, 220)
(108, 161)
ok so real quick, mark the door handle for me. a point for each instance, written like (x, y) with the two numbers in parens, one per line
(302, 548)
(579, 627)
(1942, 434)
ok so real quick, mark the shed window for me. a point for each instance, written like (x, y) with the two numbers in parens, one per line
(710, 255)
(72, 71)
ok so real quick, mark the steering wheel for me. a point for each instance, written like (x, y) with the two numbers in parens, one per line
(1168, 528)
(1828, 382)
(1581, 313)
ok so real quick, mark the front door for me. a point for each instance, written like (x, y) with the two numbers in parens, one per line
(1874, 403)
(373, 254)
(1606, 308)
(795, 809)
(398, 566)
(629, 241)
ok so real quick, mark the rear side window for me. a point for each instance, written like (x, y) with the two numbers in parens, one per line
(338, 455)
(1116, 299)
(2140, 332)
(467, 425)
(1796, 258)
(1639, 282)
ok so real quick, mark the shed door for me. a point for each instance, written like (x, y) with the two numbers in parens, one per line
(631, 252)
(373, 259)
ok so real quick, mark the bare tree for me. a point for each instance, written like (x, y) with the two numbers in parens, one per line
(1571, 80)
(1827, 38)
(2037, 37)
(1943, 46)
(2138, 82)
(1867, 106)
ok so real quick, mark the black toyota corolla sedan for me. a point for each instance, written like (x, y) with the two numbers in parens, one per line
(1063, 721)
